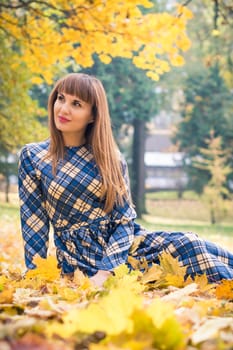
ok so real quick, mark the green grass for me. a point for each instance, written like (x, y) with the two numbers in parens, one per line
(189, 208)
(165, 212)
(221, 234)
(188, 214)
(164, 195)
(9, 212)
(202, 229)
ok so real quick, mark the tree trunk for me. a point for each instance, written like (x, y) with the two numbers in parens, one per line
(212, 216)
(7, 188)
(138, 167)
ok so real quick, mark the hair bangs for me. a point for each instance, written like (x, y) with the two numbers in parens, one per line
(79, 85)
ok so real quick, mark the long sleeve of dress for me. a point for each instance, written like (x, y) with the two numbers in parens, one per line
(34, 220)
(122, 231)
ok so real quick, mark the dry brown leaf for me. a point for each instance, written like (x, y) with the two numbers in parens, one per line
(135, 263)
(32, 341)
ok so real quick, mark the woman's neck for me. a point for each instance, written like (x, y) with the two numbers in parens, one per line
(70, 141)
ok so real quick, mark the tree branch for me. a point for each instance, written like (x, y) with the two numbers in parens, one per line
(186, 3)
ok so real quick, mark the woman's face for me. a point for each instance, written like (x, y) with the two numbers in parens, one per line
(71, 116)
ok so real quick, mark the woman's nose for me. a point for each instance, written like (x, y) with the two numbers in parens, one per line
(65, 107)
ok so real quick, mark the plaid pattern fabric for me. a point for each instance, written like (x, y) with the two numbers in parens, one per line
(198, 255)
(86, 237)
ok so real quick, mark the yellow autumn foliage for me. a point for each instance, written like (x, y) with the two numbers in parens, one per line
(123, 314)
(225, 290)
(46, 269)
(47, 33)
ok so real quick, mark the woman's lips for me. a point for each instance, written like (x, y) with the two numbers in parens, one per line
(63, 119)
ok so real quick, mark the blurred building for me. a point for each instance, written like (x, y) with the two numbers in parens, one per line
(163, 163)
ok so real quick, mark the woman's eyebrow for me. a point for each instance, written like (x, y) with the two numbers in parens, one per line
(77, 99)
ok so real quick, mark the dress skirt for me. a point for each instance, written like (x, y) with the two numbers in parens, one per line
(198, 255)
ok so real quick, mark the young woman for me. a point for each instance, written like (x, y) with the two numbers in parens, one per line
(77, 181)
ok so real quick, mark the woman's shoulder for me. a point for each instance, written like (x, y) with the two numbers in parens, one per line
(36, 149)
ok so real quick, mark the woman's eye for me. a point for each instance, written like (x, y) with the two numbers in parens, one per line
(60, 97)
(77, 103)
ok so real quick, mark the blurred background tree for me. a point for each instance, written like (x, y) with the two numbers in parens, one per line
(205, 83)
(207, 105)
(20, 116)
(214, 160)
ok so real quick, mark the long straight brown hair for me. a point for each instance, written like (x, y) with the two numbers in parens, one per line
(98, 134)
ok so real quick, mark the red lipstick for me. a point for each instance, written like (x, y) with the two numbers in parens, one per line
(63, 119)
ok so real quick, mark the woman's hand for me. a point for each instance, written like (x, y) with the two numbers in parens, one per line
(100, 277)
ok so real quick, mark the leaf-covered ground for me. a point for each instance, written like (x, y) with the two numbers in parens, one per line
(154, 310)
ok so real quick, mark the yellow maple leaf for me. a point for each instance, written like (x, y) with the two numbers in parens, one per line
(170, 264)
(68, 294)
(225, 290)
(121, 271)
(153, 274)
(3, 280)
(82, 281)
(174, 280)
(203, 283)
(46, 269)
(134, 262)
(167, 333)
(173, 272)
(125, 279)
(6, 296)
(136, 243)
(111, 314)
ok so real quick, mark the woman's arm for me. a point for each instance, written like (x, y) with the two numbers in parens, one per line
(34, 219)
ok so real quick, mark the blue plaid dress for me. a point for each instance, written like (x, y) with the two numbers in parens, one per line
(85, 236)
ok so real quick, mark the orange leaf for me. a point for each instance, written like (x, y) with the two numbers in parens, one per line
(225, 290)
(6, 296)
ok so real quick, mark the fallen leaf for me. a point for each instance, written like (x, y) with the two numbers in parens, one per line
(153, 274)
(210, 329)
(46, 269)
(180, 293)
(136, 243)
(6, 296)
(33, 341)
(203, 285)
(10, 329)
(173, 271)
(135, 263)
(225, 290)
